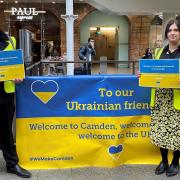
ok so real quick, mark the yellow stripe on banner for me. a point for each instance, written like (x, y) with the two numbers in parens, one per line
(45, 96)
(11, 72)
(66, 142)
(159, 80)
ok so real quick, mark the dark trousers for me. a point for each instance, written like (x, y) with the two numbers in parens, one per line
(164, 155)
(88, 68)
(6, 136)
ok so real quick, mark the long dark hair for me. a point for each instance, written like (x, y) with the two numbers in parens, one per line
(171, 22)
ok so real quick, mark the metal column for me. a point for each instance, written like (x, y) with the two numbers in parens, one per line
(69, 18)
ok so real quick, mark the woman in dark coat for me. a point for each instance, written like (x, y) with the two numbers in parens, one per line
(148, 54)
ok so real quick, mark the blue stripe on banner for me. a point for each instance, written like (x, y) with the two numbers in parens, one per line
(41, 86)
(11, 57)
(82, 96)
(159, 66)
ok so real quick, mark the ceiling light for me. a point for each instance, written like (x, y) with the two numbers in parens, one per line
(15, 2)
(1, 1)
(93, 28)
(156, 20)
(103, 28)
(53, 2)
(108, 28)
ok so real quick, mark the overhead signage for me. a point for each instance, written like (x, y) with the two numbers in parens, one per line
(24, 13)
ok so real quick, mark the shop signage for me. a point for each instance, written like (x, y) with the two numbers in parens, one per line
(24, 13)
(104, 124)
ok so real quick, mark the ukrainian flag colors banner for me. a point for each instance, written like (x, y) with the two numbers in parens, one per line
(78, 121)
(160, 73)
(11, 65)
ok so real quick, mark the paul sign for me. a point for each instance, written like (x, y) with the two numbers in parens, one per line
(24, 13)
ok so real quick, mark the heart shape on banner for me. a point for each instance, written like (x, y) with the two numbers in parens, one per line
(44, 91)
(114, 151)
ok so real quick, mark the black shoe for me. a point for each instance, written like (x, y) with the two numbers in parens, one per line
(172, 170)
(161, 168)
(19, 171)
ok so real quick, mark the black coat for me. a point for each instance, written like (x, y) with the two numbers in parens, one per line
(147, 56)
(85, 51)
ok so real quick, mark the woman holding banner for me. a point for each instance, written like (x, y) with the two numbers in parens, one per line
(165, 113)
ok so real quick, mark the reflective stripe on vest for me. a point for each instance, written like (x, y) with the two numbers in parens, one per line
(9, 86)
(158, 52)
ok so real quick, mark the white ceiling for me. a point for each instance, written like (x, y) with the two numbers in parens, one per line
(43, 1)
(124, 7)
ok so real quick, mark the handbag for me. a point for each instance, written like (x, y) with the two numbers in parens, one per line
(80, 71)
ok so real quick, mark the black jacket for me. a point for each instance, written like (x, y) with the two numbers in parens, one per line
(85, 51)
(147, 56)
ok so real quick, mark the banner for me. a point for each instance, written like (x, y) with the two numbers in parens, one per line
(163, 73)
(79, 121)
(11, 65)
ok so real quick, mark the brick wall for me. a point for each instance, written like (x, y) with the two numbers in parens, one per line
(138, 35)
(57, 10)
(138, 32)
(3, 17)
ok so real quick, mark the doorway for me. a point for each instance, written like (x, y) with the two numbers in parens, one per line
(106, 39)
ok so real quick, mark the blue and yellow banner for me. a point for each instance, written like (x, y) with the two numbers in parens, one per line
(162, 73)
(78, 121)
(11, 65)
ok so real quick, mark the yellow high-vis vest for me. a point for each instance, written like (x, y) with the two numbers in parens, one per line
(176, 92)
(9, 86)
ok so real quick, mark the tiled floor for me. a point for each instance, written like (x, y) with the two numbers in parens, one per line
(125, 172)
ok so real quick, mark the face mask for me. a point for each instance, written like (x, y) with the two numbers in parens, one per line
(90, 45)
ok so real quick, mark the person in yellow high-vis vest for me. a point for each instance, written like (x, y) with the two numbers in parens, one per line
(7, 109)
(165, 108)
